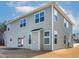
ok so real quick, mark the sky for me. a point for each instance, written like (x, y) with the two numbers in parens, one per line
(12, 9)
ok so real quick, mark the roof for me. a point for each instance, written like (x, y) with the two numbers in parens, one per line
(40, 8)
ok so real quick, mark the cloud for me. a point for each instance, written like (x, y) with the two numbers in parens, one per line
(69, 14)
(24, 9)
(16, 3)
(73, 19)
(76, 28)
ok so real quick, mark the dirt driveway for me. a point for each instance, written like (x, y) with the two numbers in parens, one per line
(62, 53)
(26, 53)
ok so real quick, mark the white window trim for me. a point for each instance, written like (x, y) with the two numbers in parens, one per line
(23, 21)
(55, 14)
(35, 17)
(46, 37)
(55, 33)
(39, 16)
(67, 23)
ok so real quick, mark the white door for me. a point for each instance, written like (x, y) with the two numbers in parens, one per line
(35, 45)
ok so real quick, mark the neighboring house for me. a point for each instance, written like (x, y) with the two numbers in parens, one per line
(1, 37)
(76, 37)
(45, 28)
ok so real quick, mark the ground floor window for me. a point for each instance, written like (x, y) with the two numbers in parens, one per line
(64, 39)
(20, 42)
(10, 39)
(29, 39)
(55, 37)
(46, 37)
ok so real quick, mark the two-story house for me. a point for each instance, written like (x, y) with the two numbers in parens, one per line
(44, 28)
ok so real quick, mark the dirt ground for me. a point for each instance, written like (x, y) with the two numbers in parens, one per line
(62, 53)
(26, 53)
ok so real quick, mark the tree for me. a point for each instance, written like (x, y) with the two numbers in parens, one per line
(3, 26)
(2, 30)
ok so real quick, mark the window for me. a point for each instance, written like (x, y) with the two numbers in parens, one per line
(46, 33)
(55, 42)
(64, 39)
(29, 39)
(41, 16)
(23, 22)
(66, 23)
(10, 39)
(46, 37)
(46, 40)
(37, 18)
(8, 29)
(55, 37)
(20, 42)
(55, 14)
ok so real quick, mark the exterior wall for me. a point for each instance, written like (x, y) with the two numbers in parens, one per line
(48, 25)
(16, 30)
(59, 27)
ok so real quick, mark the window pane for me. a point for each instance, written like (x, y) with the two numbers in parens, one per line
(41, 19)
(55, 17)
(10, 39)
(21, 22)
(36, 16)
(55, 12)
(55, 37)
(46, 40)
(55, 40)
(46, 33)
(24, 21)
(42, 14)
(24, 24)
(36, 20)
(8, 29)
(29, 39)
(65, 23)
(64, 39)
(20, 25)
(20, 42)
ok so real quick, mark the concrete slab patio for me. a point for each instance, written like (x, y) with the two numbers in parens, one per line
(26, 53)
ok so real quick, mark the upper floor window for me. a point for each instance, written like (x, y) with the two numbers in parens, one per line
(39, 17)
(55, 14)
(66, 23)
(23, 22)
